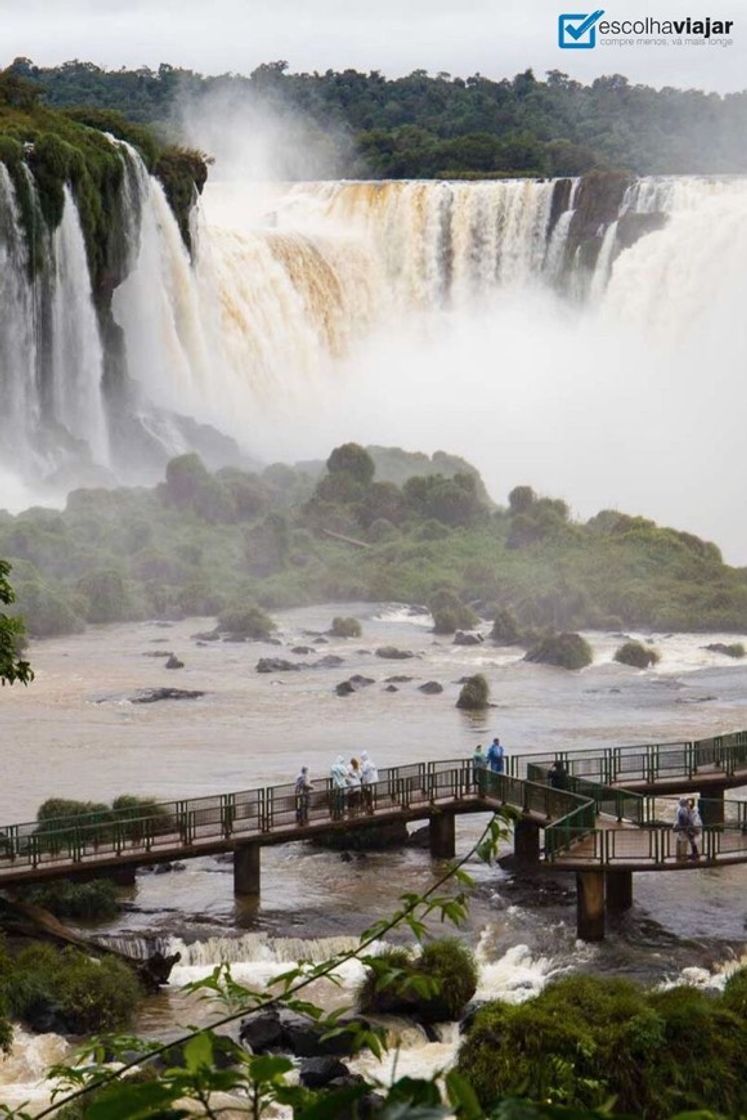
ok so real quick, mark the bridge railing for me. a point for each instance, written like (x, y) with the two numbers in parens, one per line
(167, 825)
(650, 763)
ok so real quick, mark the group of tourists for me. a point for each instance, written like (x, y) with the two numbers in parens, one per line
(688, 825)
(491, 759)
(351, 784)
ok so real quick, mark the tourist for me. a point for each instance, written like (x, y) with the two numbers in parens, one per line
(479, 766)
(354, 786)
(303, 796)
(339, 779)
(495, 756)
(696, 828)
(683, 827)
(558, 775)
(369, 778)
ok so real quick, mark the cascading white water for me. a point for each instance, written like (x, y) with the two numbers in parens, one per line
(18, 382)
(281, 306)
(77, 357)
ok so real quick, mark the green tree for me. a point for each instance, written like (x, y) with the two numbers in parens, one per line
(12, 666)
(354, 460)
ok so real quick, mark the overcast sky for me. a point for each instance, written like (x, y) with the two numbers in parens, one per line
(495, 37)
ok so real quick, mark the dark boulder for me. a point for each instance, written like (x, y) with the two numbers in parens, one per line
(465, 638)
(174, 663)
(152, 695)
(316, 1073)
(158, 653)
(431, 688)
(391, 688)
(277, 665)
(287, 1032)
(302, 649)
(391, 653)
(207, 635)
(353, 684)
(44, 1016)
(320, 641)
(329, 661)
(398, 679)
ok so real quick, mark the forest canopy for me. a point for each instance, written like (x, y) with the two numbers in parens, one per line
(422, 126)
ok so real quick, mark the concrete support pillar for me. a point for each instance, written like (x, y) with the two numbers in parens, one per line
(527, 840)
(246, 869)
(619, 891)
(590, 905)
(711, 806)
(442, 835)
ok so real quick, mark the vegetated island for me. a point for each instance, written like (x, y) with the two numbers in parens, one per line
(376, 524)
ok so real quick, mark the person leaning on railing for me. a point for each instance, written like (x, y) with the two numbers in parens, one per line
(479, 769)
(339, 779)
(303, 796)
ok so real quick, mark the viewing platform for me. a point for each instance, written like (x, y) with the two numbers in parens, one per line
(602, 816)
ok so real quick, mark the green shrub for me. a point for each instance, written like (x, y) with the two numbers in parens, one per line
(433, 987)
(346, 627)
(474, 693)
(109, 596)
(735, 993)
(637, 655)
(585, 1040)
(247, 621)
(91, 995)
(568, 651)
(450, 613)
(505, 630)
(65, 899)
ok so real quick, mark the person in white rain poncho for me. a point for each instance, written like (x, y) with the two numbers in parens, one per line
(369, 777)
(339, 778)
(355, 786)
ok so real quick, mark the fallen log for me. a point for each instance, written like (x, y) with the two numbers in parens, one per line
(345, 540)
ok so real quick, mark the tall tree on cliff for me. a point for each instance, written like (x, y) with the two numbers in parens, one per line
(12, 666)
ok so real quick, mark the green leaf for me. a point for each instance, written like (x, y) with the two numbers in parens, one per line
(123, 1101)
(268, 1069)
(198, 1053)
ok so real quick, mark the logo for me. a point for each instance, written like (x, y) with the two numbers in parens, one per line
(578, 32)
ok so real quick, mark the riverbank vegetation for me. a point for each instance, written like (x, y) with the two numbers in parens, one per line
(237, 544)
(586, 1041)
(424, 126)
(66, 991)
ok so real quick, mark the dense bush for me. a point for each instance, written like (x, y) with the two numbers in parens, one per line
(505, 631)
(586, 1040)
(568, 651)
(636, 654)
(434, 986)
(474, 693)
(66, 899)
(88, 995)
(345, 627)
(248, 621)
(450, 613)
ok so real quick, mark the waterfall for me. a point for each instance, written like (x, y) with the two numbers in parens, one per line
(275, 308)
(76, 354)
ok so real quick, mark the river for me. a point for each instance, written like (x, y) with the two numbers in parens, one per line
(75, 733)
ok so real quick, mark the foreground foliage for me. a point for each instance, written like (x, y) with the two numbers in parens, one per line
(586, 1040)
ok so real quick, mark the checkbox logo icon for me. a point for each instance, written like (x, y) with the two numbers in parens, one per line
(578, 31)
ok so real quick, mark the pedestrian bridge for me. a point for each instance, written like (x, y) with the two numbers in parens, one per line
(611, 817)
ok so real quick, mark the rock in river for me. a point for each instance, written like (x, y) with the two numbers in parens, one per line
(151, 695)
(391, 653)
(431, 688)
(277, 665)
